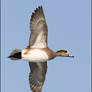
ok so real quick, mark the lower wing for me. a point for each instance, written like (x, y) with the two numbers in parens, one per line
(37, 75)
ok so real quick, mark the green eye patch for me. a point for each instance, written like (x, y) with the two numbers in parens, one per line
(62, 51)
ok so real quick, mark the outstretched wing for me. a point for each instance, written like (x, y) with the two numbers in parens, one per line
(38, 37)
(37, 75)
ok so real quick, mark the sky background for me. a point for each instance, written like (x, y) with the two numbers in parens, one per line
(69, 27)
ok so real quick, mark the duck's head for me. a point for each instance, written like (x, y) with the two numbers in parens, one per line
(63, 53)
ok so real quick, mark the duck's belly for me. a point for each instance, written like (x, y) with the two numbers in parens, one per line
(35, 55)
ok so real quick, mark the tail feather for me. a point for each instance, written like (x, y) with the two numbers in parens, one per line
(15, 54)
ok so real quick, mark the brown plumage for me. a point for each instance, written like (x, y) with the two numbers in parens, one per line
(38, 40)
(39, 30)
(37, 75)
(51, 54)
(37, 69)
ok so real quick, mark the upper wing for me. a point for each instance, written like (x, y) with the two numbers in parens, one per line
(38, 37)
(37, 75)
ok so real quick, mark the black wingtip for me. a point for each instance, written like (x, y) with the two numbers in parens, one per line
(37, 12)
(39, 7)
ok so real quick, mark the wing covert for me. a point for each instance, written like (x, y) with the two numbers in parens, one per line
(37, 75)
(39, 30)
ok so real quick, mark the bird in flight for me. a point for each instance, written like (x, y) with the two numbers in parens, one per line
(37, 52)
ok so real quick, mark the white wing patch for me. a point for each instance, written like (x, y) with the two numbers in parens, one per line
(39, 43)
(34, 56)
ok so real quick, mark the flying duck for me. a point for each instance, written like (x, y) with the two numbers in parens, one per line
(37, 52)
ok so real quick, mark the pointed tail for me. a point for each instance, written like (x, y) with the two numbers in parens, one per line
(15, 55)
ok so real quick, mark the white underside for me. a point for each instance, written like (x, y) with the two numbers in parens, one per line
(35, 56)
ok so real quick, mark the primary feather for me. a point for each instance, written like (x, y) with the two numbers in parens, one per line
(37, 75)
(38, 39)
(39, 30)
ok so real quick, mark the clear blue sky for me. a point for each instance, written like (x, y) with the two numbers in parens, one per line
(69, 27)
